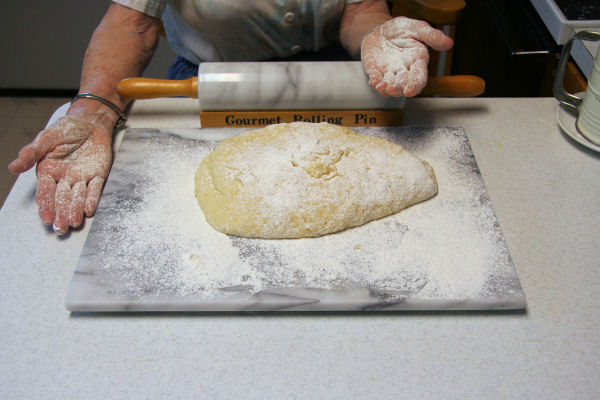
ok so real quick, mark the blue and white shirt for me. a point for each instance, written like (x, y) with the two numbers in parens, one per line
(249, 30)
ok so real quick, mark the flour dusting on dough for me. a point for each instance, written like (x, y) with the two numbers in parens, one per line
(304, 180)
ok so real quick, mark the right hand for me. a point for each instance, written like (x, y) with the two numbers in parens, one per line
(73, 158)
(395, 55)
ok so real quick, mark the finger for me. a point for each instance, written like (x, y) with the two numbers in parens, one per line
(31, 154)
(439, 41)
(77, 201)
(45, 142)
(395, 91)
(56, 169)
(398, 83)
(416, 78)
(28, 157)
(93, 196)
(370, 62)
(44, 197)
(402, 27)
(376, 83)
(62, 202)
(373, 74)
(372, 69)
(382, 89)
(432, 37)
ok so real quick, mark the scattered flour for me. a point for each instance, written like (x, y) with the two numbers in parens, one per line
(153, 239)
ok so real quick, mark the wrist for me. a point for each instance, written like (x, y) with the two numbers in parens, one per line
(96, 110)
(355, 39)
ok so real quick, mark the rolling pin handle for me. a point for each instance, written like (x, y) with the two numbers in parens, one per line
(148, 88)
(454, 86)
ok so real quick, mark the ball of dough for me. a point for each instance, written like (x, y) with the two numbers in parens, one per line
(302, 179)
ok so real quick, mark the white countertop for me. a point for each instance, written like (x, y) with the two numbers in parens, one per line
(546, 194)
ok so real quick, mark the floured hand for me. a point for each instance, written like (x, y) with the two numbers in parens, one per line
(73, 159)
(395, 55)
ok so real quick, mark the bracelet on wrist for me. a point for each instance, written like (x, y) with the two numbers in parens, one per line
(113, 106)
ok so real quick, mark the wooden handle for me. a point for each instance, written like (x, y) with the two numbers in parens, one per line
(436, 12)
(148, 88)
(454, 86)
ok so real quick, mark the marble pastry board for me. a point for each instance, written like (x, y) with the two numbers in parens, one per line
(150, 249)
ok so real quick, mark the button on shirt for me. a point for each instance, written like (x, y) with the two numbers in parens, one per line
(234, 30)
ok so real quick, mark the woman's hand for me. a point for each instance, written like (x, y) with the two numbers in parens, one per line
(74, 155)
(395, 55)
(73, 159)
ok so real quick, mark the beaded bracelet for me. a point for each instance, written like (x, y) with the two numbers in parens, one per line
(113, 106)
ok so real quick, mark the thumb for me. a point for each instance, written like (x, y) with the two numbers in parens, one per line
(437, 40)
(402, 27)
(28, 157)
(432, 37)
(63, 131)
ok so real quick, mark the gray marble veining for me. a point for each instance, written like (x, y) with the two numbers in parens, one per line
(149, 248)
(288, 86)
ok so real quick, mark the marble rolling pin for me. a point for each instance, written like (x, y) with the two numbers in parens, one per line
(270, 86)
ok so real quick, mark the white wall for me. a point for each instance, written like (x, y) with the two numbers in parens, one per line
(42, 43)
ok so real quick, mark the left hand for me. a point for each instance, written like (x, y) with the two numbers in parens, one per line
(395, 55)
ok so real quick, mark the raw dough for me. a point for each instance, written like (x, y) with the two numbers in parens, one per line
(303, 180)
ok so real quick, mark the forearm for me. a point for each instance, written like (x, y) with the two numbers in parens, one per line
(358, 20)
(121, 47)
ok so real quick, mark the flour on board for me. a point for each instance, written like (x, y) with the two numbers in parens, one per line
(154, 239)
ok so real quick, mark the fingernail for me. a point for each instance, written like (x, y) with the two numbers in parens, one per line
(58, 230)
